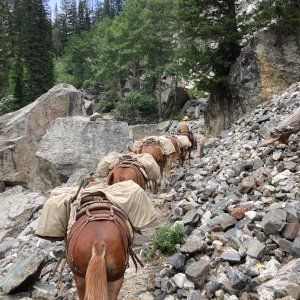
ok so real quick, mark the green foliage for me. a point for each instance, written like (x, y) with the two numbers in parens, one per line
(176, 116)
(284, 14)
(167, 236)
(60, 72)
(107, 103)
(7, 104)
(136, 103)
(210, 36)
(195, 92)
(75, 67)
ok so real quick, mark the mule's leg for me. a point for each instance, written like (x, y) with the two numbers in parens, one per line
(80, 286)
(114, 288)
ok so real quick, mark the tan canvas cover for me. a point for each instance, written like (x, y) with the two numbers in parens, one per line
(145, 159)
(184, 141)
(165, 143)
(103, 166)
(136, 145)
(150, 165)
(131, 198)
(127, 195)
(53, 222)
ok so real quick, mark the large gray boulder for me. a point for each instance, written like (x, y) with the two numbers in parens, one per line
(17, 208)
(76, 143)
(22, 131)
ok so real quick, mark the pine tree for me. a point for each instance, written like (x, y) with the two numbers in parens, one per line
(84, 19)
(116, 7)
(5, 46)
(64, 21)
(210, 37)
(73, 17)
(107, 11)
(57, 36)
(284, 14)
(98, 12)
(36, 49)
(159, 42)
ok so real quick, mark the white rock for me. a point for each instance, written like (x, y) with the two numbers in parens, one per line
(179, 280)
(188, 285)
(281, 176)
(146, 296)
(251, 214)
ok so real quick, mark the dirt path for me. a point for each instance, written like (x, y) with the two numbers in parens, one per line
(136, 282)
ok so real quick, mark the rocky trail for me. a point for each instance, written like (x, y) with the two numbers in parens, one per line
(137, 283)
(240, 207)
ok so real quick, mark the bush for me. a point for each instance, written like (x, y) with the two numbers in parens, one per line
(8, 104)
(136, 103)
(107, 103)
(195, 92)
(167, 236)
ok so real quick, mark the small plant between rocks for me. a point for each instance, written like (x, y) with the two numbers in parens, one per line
(165, 239)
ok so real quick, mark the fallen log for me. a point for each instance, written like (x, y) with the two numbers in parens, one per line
(284, 129)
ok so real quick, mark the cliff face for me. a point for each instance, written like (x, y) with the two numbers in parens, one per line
(267, 66)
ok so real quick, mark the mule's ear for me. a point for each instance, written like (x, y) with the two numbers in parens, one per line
(129, 149)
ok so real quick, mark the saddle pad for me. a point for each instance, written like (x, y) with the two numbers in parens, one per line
(184, 141)
(127, 195)
(165, 144)
(145, 159)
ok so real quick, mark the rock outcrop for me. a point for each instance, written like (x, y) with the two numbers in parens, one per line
(22, 131)
(267, 65)
(75, 143)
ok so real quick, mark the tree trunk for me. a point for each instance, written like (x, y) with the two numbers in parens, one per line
(159, 96)
(287, 127)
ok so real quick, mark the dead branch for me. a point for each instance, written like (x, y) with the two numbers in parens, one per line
(284, 129)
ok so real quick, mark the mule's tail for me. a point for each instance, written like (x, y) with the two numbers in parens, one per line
(96, 279)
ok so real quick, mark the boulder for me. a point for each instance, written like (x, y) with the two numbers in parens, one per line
(17, 207)
(22, 130)
(75, 143)
(267, 65)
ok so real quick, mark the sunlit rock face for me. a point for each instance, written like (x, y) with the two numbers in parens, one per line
(22, 130)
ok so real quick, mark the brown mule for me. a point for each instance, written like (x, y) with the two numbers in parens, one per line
(180, 153)
(97, 253)
(152, 147)
(125, 172)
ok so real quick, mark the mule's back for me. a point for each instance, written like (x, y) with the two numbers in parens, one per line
(113, 235)
(119, 174)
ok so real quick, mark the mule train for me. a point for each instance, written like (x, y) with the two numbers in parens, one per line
(98, 221)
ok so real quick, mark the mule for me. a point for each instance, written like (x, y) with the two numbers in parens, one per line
(152, 147)
(97, 253)
(177, 146)
(123, 172)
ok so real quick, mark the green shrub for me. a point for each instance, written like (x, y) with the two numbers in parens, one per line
(167, 236)
(107, 103)
(8, 104)
(137, 102)
(178, 116)
(195, 92)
